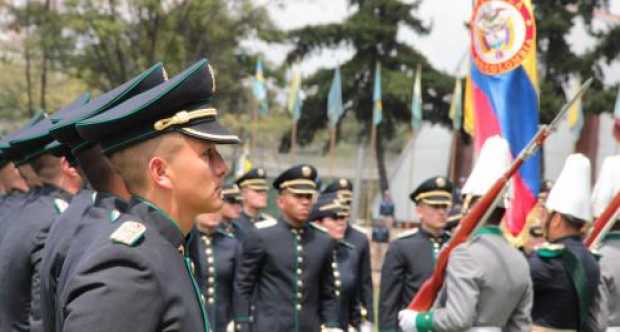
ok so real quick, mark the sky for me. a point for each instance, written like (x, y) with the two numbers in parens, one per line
(444, 47)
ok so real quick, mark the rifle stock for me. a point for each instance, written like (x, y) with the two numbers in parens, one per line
(603, 223)
(430, 288)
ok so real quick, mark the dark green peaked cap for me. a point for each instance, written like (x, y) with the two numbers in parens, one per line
(178, 104)
(64, 123)
(10, 152)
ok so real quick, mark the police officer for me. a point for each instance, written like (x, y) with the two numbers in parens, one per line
(606, 187)
(216, 269)
(331, 213)
(231, 210)
(410, 258)
(253, 186)
(487, 285)
(287, 264)
(564, 273)
(137, 276)
(22, 246)
(357, 236)
(106, 189)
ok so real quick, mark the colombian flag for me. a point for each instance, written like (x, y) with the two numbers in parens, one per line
(502, 91)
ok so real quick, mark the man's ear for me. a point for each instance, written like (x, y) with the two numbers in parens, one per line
(158, 173)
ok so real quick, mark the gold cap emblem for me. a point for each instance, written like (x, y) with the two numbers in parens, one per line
(343, 183)
(306, 171)
(260, 172)
(440, 182)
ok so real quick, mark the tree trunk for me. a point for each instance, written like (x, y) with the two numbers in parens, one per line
(44, 58)
(588, 140)
(380, 155)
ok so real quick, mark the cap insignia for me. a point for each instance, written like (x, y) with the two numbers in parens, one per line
(440, 182)
(343, 183)
(306, 171)
(260, 172)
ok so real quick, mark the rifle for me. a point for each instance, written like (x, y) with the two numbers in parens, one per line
(603, 223)
(430, 288)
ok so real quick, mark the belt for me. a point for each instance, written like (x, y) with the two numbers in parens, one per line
(485, 329)
(538, 328)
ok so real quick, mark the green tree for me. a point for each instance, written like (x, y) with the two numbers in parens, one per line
(371, 31)
(106, 42)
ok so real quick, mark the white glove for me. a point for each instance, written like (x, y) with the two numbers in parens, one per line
(366, 327)
(406, 320)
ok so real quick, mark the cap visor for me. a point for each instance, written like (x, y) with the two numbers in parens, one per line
(211, 131)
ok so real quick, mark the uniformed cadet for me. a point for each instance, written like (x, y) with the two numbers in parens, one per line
(287, 264)
(106, 189)
(253, 186)
(564, 273)
(13, 184)
(137, 276)
(215, 262)
(487, 285)
(231, 210)
(606, 187)
(12, 176)
(22, 247)
(331, 213)
(410, 258)
(357, 236)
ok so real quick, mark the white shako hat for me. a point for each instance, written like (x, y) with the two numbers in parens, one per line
(493, 161)
(570, 194)
(607, 184)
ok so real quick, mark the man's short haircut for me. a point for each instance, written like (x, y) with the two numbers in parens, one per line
(132, 163)
(47, 167)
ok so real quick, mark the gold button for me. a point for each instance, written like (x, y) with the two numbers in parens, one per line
(337, 283)
(299, 295)
(298, 307)
(209, 251)
(300, 283)
(210, 260)
(299, 271)
(337, 293)
(334, 266)
(299, 248)
(210, 290)
(336, 274)
(300, 259)
(211, 270)
(211, 300)
(211, 280)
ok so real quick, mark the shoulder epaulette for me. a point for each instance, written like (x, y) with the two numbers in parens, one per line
(550, 250)
(359, 229)
(265, 223)
(320, 228)
(128, 233)
(407, 233)
(60, 205)
(267, 217)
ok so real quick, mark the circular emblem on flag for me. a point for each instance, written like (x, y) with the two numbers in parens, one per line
(502, 33)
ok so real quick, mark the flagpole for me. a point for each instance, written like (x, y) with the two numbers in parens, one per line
(332, 150)
(371, 151)
(294, 139)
